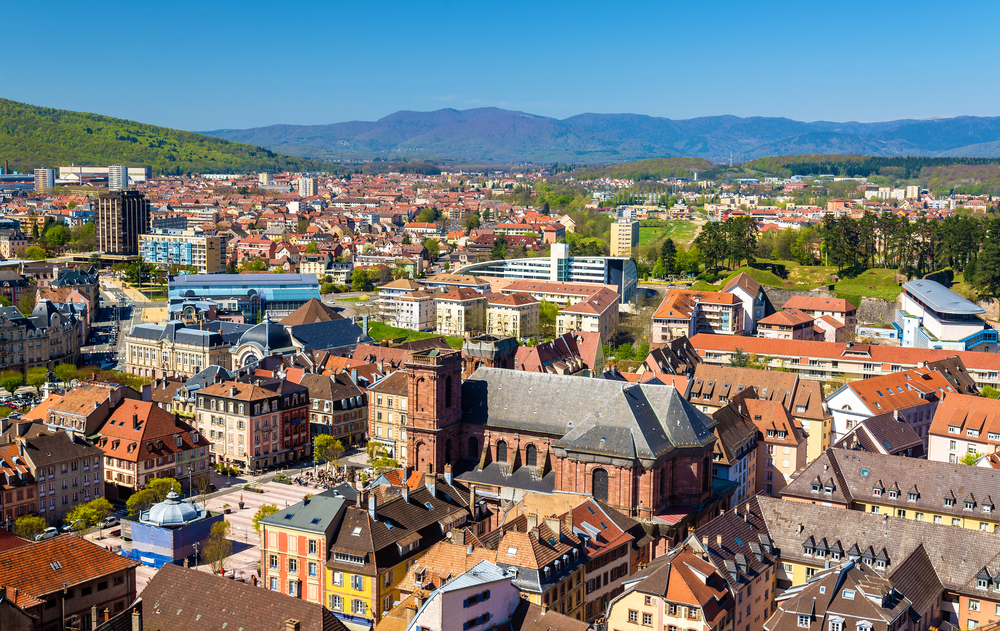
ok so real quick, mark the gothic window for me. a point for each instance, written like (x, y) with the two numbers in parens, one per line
(473, 448)
(447, 392)
(531, 456)
(501, 451)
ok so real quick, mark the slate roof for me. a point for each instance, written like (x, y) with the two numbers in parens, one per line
(883, 434)
(954, 370)
(175, 600)
(741, 531)
(717, 384)
(957, 554)
(313, 514)
(591, 415)
(43, 567)
(56, 447)
(329, 334)
(177, 332)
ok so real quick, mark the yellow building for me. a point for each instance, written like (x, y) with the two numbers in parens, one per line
(680, 590)
(387, 414)
(624, 237)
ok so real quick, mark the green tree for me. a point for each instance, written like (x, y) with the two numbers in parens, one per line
(668, 252)
(358, 279)
(35, 253)
(969, 459)
(253, 265)
(36, 376)
(327, 449)
(989, 392)
(433, 248)
(11, 380)
(57, 235)
(262, 512)
(499, 250)
(312, 248)
(218, 547)
(29, 526)
(658, 270)
(27, 303)
(85, 517)
(139, 272)
(739, 359)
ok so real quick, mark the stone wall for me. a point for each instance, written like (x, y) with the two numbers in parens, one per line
(870, 310)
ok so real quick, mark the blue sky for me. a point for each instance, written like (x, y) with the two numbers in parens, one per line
(222, 64)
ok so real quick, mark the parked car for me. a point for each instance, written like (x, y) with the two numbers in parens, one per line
(110, 521)
(48, 533)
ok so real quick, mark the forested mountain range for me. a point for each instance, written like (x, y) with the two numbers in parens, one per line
(33, 137)
(503, 136)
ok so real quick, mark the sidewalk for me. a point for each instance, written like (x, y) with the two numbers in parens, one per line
(133, 294)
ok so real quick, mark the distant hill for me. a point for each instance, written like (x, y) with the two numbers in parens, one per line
(503, 136)
(32, 137)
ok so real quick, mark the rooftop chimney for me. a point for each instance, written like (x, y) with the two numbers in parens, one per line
(93, 616)
(232, 391)
(718, 540)
(354, 375)
(292, 625)
(406, 494)
(411, 613)
(136, 620)
(135, 421)
(532, 521)
(430, 481)
(567, 520)
(372, 503)
(361, 493)
(552, 523)
(535, 534)
(447, 474)
(704, 541)
(472, 501)
(458, 537)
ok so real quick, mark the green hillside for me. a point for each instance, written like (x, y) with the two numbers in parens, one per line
(33, 137)
(652, 169)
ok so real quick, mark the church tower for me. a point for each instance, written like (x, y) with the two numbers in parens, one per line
(434, 409)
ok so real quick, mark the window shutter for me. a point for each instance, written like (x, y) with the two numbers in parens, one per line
(487, 597)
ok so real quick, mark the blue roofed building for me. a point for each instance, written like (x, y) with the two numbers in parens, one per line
(253, 294)
(933, 316)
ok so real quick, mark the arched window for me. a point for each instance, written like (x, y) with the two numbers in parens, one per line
(447, 392)
(663, 482)
(473, 448)
(706, 474)
(531, 456)
(447, 451)
(501, 451)
(600, 484)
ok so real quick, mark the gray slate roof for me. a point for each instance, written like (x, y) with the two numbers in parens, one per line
(330, 334)
(591, 415)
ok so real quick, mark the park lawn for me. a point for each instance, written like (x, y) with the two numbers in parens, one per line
(352, 299)
(379, 331)
(874, 283)
(679, 231)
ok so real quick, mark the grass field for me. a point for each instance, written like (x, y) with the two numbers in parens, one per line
(352, 299)
(873, 283)
(380, 331)
(679, 231)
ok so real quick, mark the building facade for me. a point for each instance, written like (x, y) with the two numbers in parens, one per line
(120, 217)
(513, 315)
(173, 350)
(184, 248)
(624, 237)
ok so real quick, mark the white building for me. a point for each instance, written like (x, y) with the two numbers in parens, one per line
(749, 292)
(117, 177)
(416, 310)
(933, 316)
(480, 598)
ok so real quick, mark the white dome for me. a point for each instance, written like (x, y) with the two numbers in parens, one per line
(171, 513)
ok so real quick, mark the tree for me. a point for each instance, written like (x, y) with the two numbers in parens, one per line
(65, 372)
(499, 250)
(155, 491)
(312, 248)
(668, 252)
(35, 253)
(11, 380)
(202, 486)
(433, 249)
(57, 235)
(139, 272)
(379, 460)
(739, 359)
(161, 487)
(969, 459)
(989, 392)
(218, 547)
(253, 265)
(84, 517)
(326, 448)
(262, 512)
(358, 279)
(29, 526)
(27, 303)
(37, 376)
(658, 270)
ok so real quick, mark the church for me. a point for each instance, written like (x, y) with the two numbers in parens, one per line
(642, 449)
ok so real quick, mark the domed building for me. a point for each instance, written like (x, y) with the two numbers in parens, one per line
(169, 530)
(263, 340)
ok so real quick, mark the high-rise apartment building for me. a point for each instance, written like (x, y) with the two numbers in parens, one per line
(185, 248)
(45, 179)
(120, 218)
(624, 237)
(117, 178)
(307, 187)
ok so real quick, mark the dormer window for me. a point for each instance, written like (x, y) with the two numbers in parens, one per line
(893, 494)
(954, 430)
(987, 508)
(911, 497)
(828, 489)
(949, 502)
(804, 620)
(879, 564)
(877, 492)
(974, 433)
(815, 488)
(969, 505)
(982, 583)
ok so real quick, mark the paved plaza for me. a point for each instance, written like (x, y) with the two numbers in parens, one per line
(246, 545)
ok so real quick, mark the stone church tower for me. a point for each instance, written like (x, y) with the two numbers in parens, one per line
(434, 409)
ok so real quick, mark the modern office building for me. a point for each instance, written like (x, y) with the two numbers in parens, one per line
(136, 174)
(120, 218)
(253, 294)
(620, 272)
(186, 248)
(44, 180)
(117, 178)
(624, 237)
(933, 316)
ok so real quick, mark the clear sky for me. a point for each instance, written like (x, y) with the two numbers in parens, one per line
(216, 64)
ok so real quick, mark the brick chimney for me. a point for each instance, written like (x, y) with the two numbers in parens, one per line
(532, 520)
(447, 474)
(552, 523)
(411, 613)
(430, 481)
(136, 620)
(292, 624)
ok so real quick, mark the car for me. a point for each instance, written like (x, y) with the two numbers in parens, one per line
(110, 521)
(48, 533)
(69, 528)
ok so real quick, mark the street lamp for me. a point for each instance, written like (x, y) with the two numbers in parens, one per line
(195, 545)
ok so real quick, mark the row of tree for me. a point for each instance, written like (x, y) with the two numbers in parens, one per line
(730, 242)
